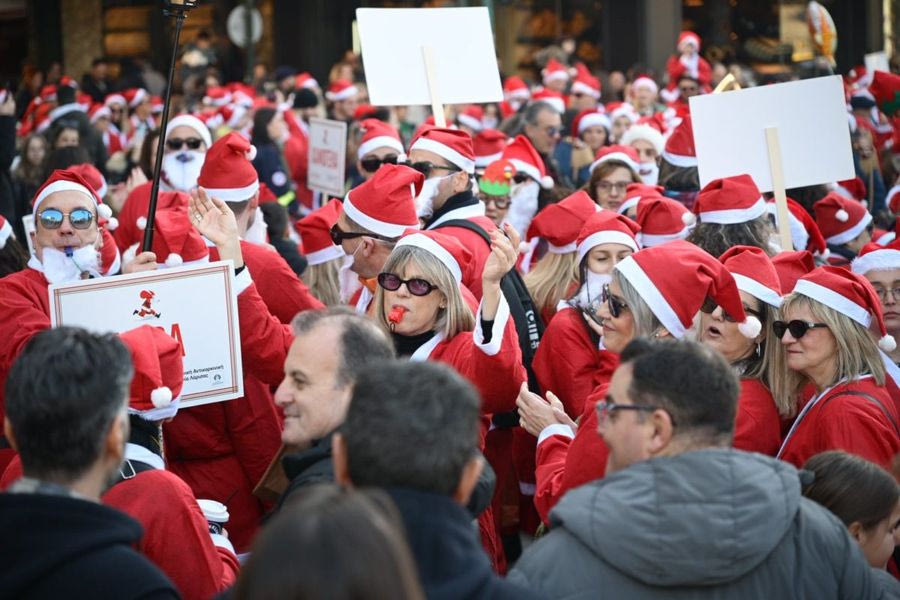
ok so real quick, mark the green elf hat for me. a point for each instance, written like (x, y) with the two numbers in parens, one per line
(885, 87)
(497, 178)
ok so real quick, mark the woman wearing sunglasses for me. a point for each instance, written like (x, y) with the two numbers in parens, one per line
(654, 293)
(380, 144)
(758, 422)
(825, 343)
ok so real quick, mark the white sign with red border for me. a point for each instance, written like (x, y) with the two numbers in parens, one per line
(197, 305)
(327, 156)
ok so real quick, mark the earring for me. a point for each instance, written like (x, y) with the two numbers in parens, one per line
(758, 351)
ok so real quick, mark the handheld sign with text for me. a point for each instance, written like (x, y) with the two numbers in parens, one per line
(327, 155)
(28, 224)
(430, 56)
(196, 305)
(798, 130)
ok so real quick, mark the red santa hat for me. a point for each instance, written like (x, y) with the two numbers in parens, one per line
(378, 134)
(848, 293)
(156, 105)
(560, 223)
(622, 109)
(158, 372)
(892, 198)
(805, 234)
(227, 173)
(521, 153)
(791, 266)
(95, 179)
(385, 204)
(554, 71)
(341, 90)
(115, 99)
(554, 99)
(445, 248)
(217, 96)
(266, 195)
(675, 279)
(663, 220)
(679, 150)
(315, 233)
(6, 232)
(305, 80)
(136, 213)
(472, 117)
(885, 88)
(646, 82)
(514, 88)
(840, 219)
(607, 227)
(875, 257)
(854, 188)
(586, 84)
(590, 118)
(451, 144)
(110, 258)
(232, 114)
(65, 180)
(135, 96)
(729, 201)
(645, 132)
(688, 37)
(176, 243)
(488, 146)
(753, 273)
(637, 191)
(99, 111)
(192, 122)
(626, 155)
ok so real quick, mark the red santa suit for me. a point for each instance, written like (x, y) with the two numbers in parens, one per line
(857, 416)
(176, 535)
(133, 216)
(757, 425)
(471, 240)
(113, 140)
(296, 155)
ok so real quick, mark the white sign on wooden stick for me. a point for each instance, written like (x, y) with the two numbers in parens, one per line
(196, 305)
(462, 48)
(813, 131)
(327, 156)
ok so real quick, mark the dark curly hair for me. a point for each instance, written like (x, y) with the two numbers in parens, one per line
(716, 239)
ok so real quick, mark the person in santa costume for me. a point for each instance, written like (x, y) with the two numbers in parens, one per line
(140, 110)
(529, 194)
(380, 144)
(13, 255)
(590, 132)
(825, 342)
(613, 170)
(648, 142)
(654, 293)
(881, 266)
(494, 186)
(687, 62)
(323, 257)
(758, 422)
(846, 225)
(661, 219)
(343, 98)
(66, 243)
(555, 76)
(678, 172)
(644, 94)
(101, 119)
(634, 194)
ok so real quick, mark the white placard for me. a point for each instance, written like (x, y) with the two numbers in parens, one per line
(811, 118)
(461, 42)
(327, 156)
(196, 305)
(28, 224)
(877, 61)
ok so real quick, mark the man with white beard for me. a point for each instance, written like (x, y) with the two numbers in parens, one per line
(66, 248)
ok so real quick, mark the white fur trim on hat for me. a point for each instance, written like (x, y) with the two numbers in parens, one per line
(347, 92)
(382, 141)
(757, 290)
(234, 194)
(732, 216)
(659, 306)
(834, 300)
(192, 122)
(324, 255)
(645, 82)
(606, 237)
(442, 150)
(648, 240)
(62, 186)
(852, 233)
(558, 75)
(470, 121)
(629, 203)
(570, 247)
(877, 260)
(680, 160)
(161, 396)
(646, 133)
(418, 240)
(579, 87)
(482, 162)
(527, 168)
(618, 156)
(592, 120)
(391, 230)
(5, 233)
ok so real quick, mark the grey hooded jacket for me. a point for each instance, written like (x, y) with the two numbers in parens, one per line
(714, 523)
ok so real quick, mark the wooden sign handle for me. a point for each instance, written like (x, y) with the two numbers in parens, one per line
(437, 107)
(775, 165)
(727, 81)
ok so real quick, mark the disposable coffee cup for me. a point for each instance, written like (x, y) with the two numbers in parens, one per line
(216, 515)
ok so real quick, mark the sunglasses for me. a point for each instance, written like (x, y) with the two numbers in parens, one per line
(615, 305)
(416, 285)
(797, 328)
(177, 143)
(372, 163)
(52, 218)
(338, 235)
(425, 168)
(709, 306)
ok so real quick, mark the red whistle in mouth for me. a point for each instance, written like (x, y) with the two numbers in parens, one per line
(396, 314)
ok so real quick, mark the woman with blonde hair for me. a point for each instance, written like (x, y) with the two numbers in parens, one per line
(323, 257)
(825, 342)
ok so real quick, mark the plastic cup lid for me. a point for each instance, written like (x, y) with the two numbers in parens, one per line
(214, 511)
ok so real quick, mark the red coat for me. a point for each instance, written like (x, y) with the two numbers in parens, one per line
(176, 536)
(472, 241)
(837, 420)
(296, 155)
(758, 424)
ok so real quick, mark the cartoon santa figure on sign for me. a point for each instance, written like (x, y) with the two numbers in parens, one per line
(146, 309)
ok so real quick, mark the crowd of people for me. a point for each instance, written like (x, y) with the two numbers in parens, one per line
(525, 354)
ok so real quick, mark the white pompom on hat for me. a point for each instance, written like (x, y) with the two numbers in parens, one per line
(158, 372)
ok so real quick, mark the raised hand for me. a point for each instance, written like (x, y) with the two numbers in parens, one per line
(504, 253)
(535, 413)
(212, 218)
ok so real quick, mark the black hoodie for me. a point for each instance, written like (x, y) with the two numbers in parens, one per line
(62, 547)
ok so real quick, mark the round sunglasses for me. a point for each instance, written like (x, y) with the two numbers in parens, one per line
(615, 305)
(797, 328)
(371, 164)
(52, 218)
(416, 285)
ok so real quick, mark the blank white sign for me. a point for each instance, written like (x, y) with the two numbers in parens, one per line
(462, 45)
(813, 131)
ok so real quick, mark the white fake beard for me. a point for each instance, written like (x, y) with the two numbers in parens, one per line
(592, 290)
(257, 232)
(425, 199)
(649, 172)
(60, 268)
(523, 205)
(348, 279)
(181, 170)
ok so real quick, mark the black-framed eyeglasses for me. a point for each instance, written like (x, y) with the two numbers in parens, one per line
(797, 328)
(338, 235)
(883, 293)
(606, 408)
(608, 186)
(52, 218)
(371, 163)
(500, 202)
(425, 167)
(615, 305)
(709, 307)
(416, 286)
(177, 143)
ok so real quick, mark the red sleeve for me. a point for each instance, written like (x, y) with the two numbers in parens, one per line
(24, 311)
(279, 287)
(551, 464)
(757, 423)
(254, 428)
(264, 340)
